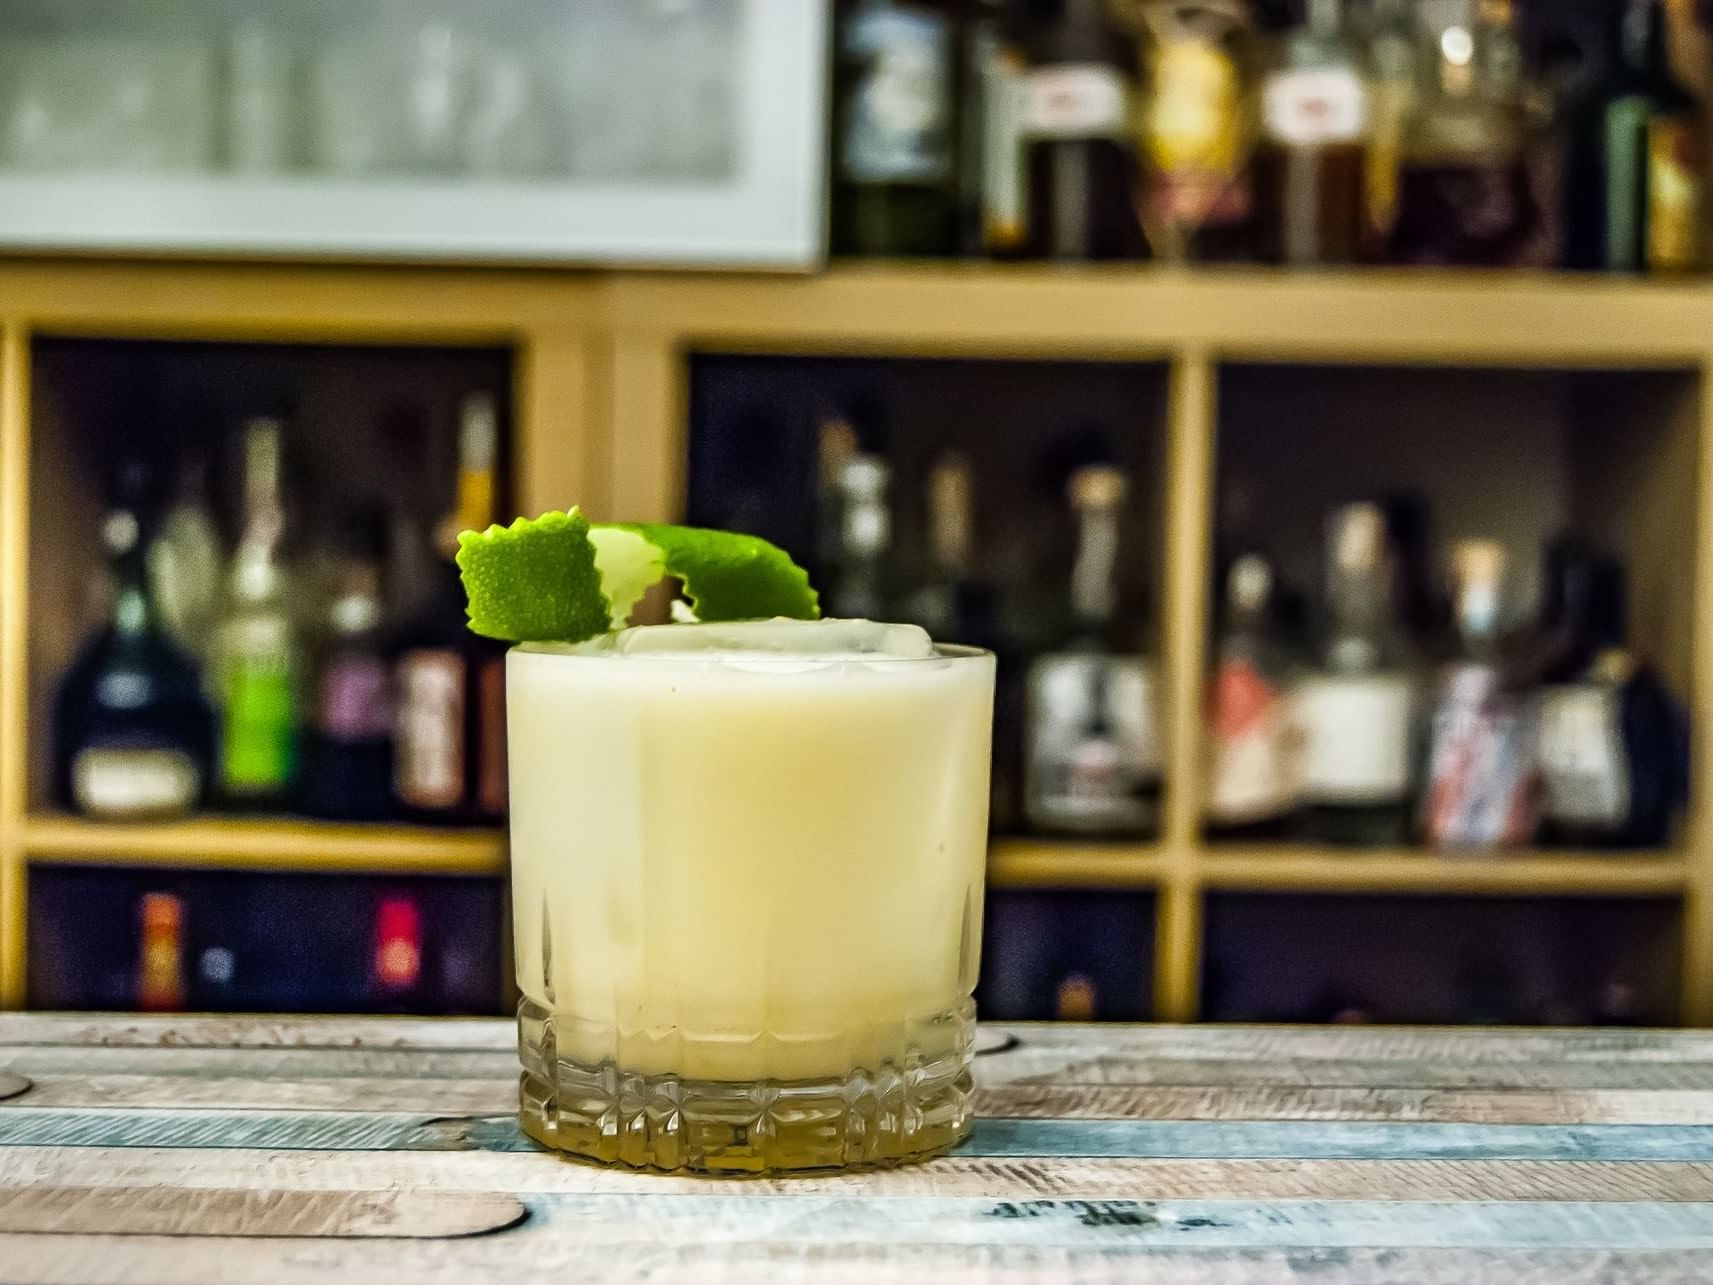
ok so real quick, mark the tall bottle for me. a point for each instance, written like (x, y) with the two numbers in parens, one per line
(258, 665)
(186, 564)
(348, 748)
(1354, 714)
(1076, 117)
(449, 743)
(1394, 84)
(994, 184)
(1252, 786)
(133, 733)
(1481, 789)
(1197, 130)
(949, 603)
(859, 591)
(895, 182)
(1465, 194)
(1613, 747)
(1311, 167)
(1092, 762)
(1634, 178)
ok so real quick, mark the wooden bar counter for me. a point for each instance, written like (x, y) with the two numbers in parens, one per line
(378, 1150)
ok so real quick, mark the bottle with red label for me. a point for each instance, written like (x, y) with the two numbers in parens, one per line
(1252, 780)
(1482, 785)
(160, 953)
(449, 735)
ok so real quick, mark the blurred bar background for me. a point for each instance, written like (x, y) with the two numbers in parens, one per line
(1306, 402)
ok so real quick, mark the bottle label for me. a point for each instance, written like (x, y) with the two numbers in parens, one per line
(1316, 107)
(1075, 100)
(1675, 156)
(1253, 775)
(429, 758)
(898, 115)
(354, 705)
(1581, 750)
(1354, 733)
(260, 725)
(1481, 777)
(118, 783)
(1093, 749)
(1192, 136)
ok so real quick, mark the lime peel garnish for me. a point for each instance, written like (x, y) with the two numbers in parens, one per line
(557, 578)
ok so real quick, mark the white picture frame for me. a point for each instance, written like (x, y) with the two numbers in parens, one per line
(771, 214)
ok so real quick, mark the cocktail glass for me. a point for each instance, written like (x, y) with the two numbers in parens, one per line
(747, 869)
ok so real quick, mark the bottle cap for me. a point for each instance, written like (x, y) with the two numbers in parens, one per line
(1358, 537)
(1098, 486)
(1251, 582)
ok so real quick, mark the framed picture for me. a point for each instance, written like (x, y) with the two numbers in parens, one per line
(670, 132)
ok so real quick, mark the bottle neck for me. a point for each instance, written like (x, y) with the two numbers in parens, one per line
(474, 505)
(1092, 592)
(133, 604)
(1359, 597)
(1478, 619)
(1642, 39)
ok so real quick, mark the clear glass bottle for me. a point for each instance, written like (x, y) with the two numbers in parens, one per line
(1092, 761)
(1480, 790)
(941, 603)
(1394, 84)
(1354, 714)
(1316, 125)
(865, 523)
(259, 660)
(187, 564)
(1252, 787)
(133, 733)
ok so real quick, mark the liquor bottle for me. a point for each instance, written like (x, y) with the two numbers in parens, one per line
(1197, 130)
(1393, 89)
(1354, 715)
(859, 591)
(348, 749)
(1613, 747)
(1481, 788)
(895, 182)
(395, 977)
(994, 180)
(948, 603)
(160, 953)
(1315, 130)
(1076, 118)
(836, 446)
(133, 733)
(1633, 182)
(256, 642)
(1252, 787)
(186, 564)
(449, 737)
(1465, 194)
(1092, 763)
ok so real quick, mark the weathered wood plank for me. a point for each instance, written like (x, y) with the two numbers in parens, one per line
(157, 1211)
(991, 1138)
(12, 1086)
(131, 1031)
(1005, 1178)
(489, 1095)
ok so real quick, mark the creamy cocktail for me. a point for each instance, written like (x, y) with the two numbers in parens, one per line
(747, 868)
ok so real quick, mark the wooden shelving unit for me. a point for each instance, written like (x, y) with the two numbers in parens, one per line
(601, 396)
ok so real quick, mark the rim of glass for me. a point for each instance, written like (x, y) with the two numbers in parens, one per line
(563, 651)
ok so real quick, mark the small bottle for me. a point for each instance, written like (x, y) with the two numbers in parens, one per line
(348, 749)
(1076, 117)
(1354, 714)
(1311, 167)
(1092, 763)
(133, 733)
(859, 593)
(1481, 790)
(258, 666)
(395, 975)
(160, 953)
(1252, 788)
(895, 184)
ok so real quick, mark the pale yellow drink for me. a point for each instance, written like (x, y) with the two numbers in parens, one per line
(747, 891)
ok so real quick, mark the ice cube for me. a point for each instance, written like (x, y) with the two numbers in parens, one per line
(815, 639)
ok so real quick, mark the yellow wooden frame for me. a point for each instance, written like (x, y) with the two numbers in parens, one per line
(601, 395)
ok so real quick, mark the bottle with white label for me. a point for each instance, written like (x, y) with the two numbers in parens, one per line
(449, 764)
(133, 733)
(1092, 763)
(1355, 714)
(1612, 745)
(895, 180)
(1252, 779)
(1311, 166)
(1481, 788)
(1077, 101)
